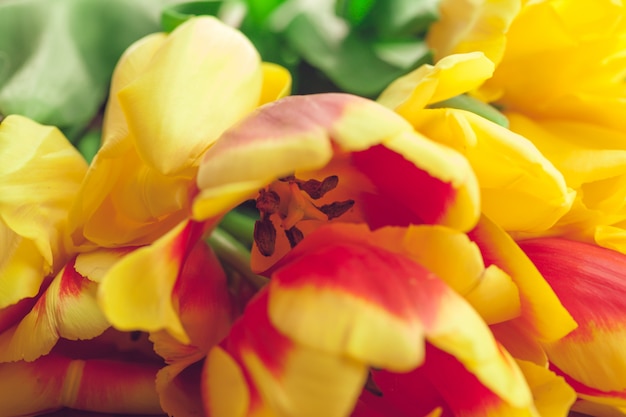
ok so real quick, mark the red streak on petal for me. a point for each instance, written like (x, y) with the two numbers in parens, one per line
(581, 388)
(403, 186)
(12, 314)
(254, 332)
(589, 280)
(463, 392)
(391, 281)
(72, 282)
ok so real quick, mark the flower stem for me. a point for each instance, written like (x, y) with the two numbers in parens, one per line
(235, 255)
(240, 226)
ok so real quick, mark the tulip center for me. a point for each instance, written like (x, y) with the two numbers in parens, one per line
(291, 200)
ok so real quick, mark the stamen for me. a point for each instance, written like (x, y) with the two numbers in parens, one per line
(316, 189)
(267, 202)
(294, 235)
(371, 386)
(336, 209)
(265, 236)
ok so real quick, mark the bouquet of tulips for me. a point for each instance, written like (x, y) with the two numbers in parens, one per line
(291, 208)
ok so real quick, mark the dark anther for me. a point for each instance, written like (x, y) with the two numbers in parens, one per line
(265, 236)
(288, 178)
(337, 208)
(294, 235)
(316, 189)
(267, 202)
(371, 386)
(135, 335)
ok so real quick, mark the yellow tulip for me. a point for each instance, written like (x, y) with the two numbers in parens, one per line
(171, 98)
(559, 81)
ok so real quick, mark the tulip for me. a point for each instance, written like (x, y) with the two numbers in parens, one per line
(152, 141)
(560, 110)
(342, 302)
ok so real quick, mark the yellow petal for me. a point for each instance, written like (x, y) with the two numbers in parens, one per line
(131, 64)
(472, 25)
(521, 189)
(496, 298)
(225, 388)
(582, 43)
(205, 77)
(39, 176)
(453, 75)
(121, 201)
(537, 297)
(425, 244)
(276, 83)
(552, 396)
(136, 293)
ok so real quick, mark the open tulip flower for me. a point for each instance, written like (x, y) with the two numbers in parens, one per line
(417, 255)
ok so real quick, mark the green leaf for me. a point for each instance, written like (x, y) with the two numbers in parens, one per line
(404, 18)
(57, 57)
(354, 11)
(352, 61)
(175, 15)
(465, 102)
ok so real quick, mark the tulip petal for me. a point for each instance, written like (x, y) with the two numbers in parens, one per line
(205, 65)
(589, 282)
(118, 181)
(293, 134)
(442, 382)
(276, 83)
(553, 396)
(567, 145)
(178, 386)
(466, 395)
(67, 309)
(290, 379)
(542, 316)
(131, 65)
(451, 76)
(202, 302)
(496, 298)
(410, 166)
(521, 190)
(374, 321)
(53, 382)
(40, 172)
(136, 293)
(490, 290)
(472, 25)
(582, 42)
